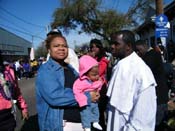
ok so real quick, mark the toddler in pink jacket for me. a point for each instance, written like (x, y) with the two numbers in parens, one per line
(88, 81)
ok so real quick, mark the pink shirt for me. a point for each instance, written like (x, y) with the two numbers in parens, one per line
(6, 104)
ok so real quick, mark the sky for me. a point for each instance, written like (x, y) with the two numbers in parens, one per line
(29, 19)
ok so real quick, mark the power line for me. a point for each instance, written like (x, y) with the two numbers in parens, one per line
(24, 29)
(3, 18)
(115, 5)
(39, 26)
(131, 4)
(26, 33)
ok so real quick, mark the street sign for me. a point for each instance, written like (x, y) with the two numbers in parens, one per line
(161, 20)
(161, 32)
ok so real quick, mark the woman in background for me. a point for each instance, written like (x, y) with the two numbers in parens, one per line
(98, 52)
(10, 95)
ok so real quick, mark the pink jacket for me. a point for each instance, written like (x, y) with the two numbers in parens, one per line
(6, 104)
(83, 84)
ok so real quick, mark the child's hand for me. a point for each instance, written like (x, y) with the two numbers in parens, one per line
(100, 79)
(95, 95)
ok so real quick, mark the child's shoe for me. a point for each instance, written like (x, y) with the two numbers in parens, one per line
(87, 129)
(97, 125)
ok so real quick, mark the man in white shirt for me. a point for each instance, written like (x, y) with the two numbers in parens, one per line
(131, 91)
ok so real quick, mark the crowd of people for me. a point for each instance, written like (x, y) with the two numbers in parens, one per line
(134, 97)
(124, 90)
(24, 68)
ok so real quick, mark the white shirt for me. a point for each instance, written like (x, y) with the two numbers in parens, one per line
(132, 104)
(17, 65)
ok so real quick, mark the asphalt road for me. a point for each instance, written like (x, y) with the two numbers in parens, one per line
(28, 91)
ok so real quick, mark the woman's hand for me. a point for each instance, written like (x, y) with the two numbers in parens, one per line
(95, 95)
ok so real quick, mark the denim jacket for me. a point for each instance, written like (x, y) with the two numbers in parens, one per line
(52, 96)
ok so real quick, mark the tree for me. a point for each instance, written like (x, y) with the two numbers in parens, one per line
(87, 14)
(41, 51)
(92, 19)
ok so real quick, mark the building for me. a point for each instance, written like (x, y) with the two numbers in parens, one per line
(13, 47)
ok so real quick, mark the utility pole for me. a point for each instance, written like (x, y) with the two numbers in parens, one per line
(159, 7)
(47, 29)
(160, 10)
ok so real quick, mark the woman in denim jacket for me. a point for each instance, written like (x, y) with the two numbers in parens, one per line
(55, 99)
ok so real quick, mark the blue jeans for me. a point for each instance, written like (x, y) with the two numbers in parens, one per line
(89, 114)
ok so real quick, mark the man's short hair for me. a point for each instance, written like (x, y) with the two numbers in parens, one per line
(127, 36)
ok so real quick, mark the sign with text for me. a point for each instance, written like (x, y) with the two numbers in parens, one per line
(161, 32)
(161, 20)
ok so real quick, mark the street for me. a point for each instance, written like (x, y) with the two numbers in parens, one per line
(28, 91)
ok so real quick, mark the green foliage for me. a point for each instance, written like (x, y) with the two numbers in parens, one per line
(87, 15)
(112, 21)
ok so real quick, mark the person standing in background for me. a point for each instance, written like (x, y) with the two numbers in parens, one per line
(131, 90)
(171, 51)
(26, 69)
(10, 96)
(154, 61)
(98, 52)
(18, 69)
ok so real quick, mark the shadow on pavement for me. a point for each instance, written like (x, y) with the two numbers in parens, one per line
(31, 124)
